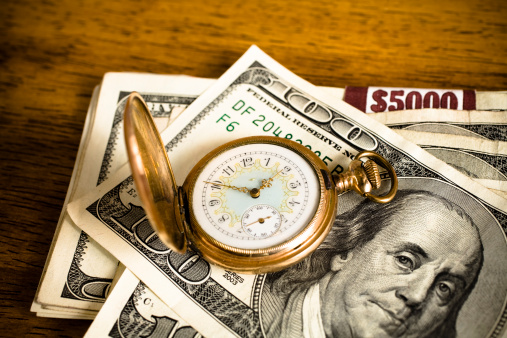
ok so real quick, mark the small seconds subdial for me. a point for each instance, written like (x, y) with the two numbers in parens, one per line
(261, 221)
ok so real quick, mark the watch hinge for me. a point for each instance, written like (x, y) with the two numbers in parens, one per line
(327, 179)
(183, 202)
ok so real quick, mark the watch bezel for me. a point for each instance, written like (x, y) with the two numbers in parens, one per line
(276, 257)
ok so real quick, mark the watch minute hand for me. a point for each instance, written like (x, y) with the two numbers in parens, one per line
(267, 183)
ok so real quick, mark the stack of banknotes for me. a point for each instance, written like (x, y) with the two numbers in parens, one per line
(448, 147)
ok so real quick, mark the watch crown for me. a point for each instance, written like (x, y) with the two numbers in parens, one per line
(372, 173)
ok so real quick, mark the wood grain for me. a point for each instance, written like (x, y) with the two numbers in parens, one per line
(52, 54)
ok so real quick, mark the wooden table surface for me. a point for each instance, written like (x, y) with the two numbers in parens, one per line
(52, 54)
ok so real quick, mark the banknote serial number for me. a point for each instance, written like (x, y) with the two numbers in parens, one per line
(261, 122)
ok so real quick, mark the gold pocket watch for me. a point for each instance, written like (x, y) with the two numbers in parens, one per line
(254, 205)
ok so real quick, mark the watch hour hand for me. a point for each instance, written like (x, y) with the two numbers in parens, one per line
(242, 189)
(265, 184)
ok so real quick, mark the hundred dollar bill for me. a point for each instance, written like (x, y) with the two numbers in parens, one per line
(78, 272)
(471, 141)
(421, 265)
(482, 124)
(37, 307)
(133, 310)
(479, 158)
(386, 99)
(58, 314)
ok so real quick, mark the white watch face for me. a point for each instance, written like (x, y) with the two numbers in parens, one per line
(226, 207)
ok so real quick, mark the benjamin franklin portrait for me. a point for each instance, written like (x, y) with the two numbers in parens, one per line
(405, 269)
